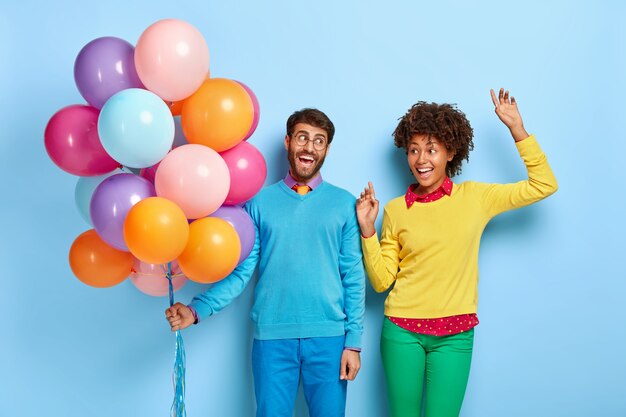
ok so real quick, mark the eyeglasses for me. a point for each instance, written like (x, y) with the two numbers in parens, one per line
(319, 143)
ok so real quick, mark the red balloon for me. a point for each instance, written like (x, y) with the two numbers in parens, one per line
(73, 144)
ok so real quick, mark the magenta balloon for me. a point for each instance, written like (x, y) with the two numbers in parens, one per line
(103, 67)
(247, 169)
(149, 173)
(112, 201)
(241, 221)
(257, 110)
(72, 142)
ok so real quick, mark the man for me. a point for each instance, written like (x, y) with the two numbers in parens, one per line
(310, 295)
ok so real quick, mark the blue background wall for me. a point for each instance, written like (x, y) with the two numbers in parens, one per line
(552, 332)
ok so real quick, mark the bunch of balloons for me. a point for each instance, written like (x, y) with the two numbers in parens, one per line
(164, 163)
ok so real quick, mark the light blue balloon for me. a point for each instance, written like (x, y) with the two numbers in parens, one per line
(85, 187)
(136, 128)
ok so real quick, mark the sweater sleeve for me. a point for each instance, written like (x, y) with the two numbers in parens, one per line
(353, 282)
(382, 257)
(540, 184)
(223, 292)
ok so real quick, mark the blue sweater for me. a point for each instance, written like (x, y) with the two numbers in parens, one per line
(311, 281)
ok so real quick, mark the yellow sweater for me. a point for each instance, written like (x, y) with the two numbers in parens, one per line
(429, 252)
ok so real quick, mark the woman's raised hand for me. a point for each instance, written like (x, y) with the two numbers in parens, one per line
(507, 111)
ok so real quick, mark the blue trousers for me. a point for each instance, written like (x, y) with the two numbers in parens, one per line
(279, 366)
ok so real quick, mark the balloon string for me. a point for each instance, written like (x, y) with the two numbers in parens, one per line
(178, 376)
(156, 275)
(169, 281)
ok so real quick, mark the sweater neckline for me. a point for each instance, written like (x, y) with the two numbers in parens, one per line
(299, 197)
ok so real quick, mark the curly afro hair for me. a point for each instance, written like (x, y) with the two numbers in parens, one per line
(443, 121)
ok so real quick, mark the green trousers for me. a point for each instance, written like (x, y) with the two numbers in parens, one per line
(410, 359)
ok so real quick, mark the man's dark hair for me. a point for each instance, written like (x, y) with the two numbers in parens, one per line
(313, 117)
(445, 123)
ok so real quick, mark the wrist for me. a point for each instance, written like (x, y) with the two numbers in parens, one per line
(194, 313)
(519, 133)
(366, 226)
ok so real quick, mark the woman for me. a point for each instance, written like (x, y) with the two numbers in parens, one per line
(428, 252)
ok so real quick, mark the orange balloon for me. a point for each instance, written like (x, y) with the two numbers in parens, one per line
(175, 106)
(156, 230)
(218, 115)
(212, 251)
(97, 264)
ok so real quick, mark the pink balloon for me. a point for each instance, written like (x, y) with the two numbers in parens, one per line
(151, 278)
(257, 109)
(172, 59)
(73, 144)
(247, 169)
(195, 177)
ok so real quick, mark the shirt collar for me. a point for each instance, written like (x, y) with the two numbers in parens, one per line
(290, 181)
(445, 189)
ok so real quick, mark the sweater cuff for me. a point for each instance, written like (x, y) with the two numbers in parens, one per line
(370, 244)
(523, 144)
(202, 310)
(196, 319)
(353, 341)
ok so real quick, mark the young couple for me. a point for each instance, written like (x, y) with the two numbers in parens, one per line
(310, 241)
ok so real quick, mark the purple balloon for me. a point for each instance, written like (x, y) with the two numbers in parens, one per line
(112, 201)
(241, 221)
(103, 67)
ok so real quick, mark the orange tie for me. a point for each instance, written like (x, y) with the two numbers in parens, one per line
(302, 189)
